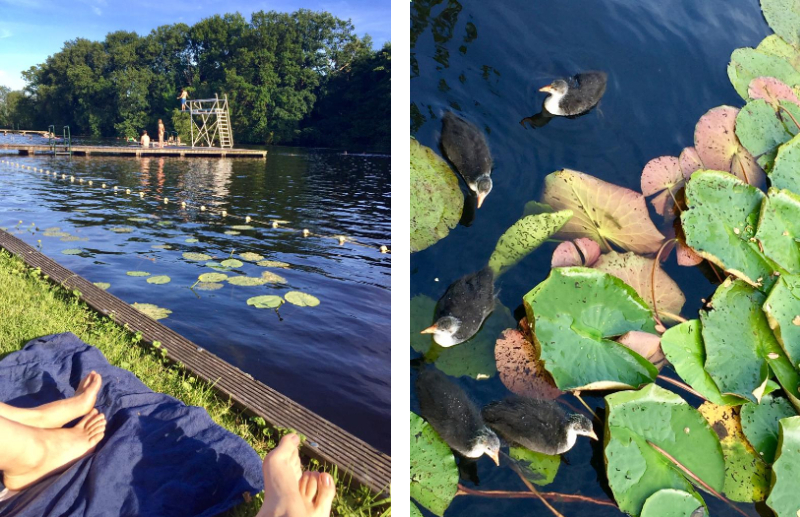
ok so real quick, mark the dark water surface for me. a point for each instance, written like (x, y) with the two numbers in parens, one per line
(333, 358)
(666, 61)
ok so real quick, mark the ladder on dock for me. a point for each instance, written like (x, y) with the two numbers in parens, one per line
(210, 120)
(64, 148)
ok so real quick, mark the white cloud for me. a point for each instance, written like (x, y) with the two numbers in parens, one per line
(97, 11)
(13, 81)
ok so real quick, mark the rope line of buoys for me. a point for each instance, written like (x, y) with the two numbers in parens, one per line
(224, 214)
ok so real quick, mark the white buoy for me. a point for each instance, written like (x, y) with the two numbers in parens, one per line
(63, 176)
(183, 204)
(103, 185)
(80, 180)
(224, 213)
(274, 224)
(247, 219)
(166, 200)
(342, 239)
(384, 249)
(127, 191)
(202, 208)
(141, 195)
(90, 183)
(72, 179)
(115, 188)
(305, 232)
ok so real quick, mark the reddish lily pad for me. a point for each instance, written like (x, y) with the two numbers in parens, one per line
(719, 149)
(662, 176)
(690, 162)
(520, 369)
(580, 252)
(646, 345)
(771, 90)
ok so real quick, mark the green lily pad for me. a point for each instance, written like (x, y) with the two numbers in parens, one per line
(272, 278)
(774, 45)
(523, 237)
(212, 277)
(606, 213)
(165, 223)
(779, 229)
(436, 199)
(683, 347)
(72, 238)
(191, 240)
(783, 496)
(783, 16)
(137, 273)
(434, 474)
(272, 263)
(761, 132)
(190, 255)
(138, 219)
(153, 311)
(301, 299)
(760, 424)
(636, 469)
(161, 246)
(241, 227)
(266, 301)
(159, 279)
(232, 232)
(55, 234)
(208, 286)
(784, 173)
(121, 229)
(252, 257)
(721, 218)
(247, 281)
(415, 511)
(748, 63)
(782, 308)
(231, 263)
(72, 251)
(672, 503)
(540, 469)
(422, 309)
(52, 229)
(574, 314)
(102, 285)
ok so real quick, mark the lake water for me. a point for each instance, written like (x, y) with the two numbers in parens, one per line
(332, 358)
(666, 62)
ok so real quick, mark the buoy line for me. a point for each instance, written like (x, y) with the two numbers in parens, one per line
(224, 214)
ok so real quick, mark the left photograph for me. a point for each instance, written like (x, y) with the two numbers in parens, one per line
(195, 259)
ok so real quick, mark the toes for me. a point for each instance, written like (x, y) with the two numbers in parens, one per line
(288, 445)
(311, 486)
(325, 493)
(99, 423)
(304, 483)
(88, 416)
(95, 417)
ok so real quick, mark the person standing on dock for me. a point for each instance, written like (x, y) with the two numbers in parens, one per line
(145, 141)
(183, 96)
(161, 131)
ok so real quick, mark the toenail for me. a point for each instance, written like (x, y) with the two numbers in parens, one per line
(327, 480)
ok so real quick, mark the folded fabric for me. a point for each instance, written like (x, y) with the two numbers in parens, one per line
(159, 457)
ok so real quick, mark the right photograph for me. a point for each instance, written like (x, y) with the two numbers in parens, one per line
(605, 267)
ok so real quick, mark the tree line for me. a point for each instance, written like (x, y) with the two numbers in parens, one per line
(300, 78)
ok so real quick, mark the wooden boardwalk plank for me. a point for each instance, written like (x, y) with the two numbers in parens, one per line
(88, 150)
(326, 441)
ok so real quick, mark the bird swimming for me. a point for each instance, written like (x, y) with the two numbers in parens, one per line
(466, 147)
(575, 95)
(539, 425)
(462, 309)
(451, 413)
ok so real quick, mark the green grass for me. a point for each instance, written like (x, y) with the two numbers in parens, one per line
(33, 307)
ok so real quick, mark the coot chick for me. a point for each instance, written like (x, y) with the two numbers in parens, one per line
(466, 147)
(462, 309)
(539, 425)
(575, 95)
(453, 415)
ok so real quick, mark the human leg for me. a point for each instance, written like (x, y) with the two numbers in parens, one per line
(61, 412)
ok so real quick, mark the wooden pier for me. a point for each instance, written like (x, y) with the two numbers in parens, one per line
(180, 151)
(326, 442)
(25, 132)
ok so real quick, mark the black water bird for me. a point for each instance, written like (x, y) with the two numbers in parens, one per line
(451, 413)
(466, 147)
(575, 95)
(539, 425)
(463, 308)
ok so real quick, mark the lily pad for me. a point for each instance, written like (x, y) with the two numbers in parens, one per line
(771, 90)
(690, 162)
(683, 347)
(138, 219)
(736, 336)
(212, 277)
(760, 424)
(241, 227)
(748, 63)
(159, 279)
(231, 263)
(266, 301)
(232, 232)
(787, 162)
(573, 315)
(782, 308)
(55, 233)
(654, 286)
(190, 255)
(637, 423)
(672, 503)
(645, 344)
(208, 286)
(774, 45)
(165, 223)
(434, 474)
(523, 237)
(606, 213)
(779, 229)
(415, 511)
(102, 285)
(662, 176)
(161, 246)
(783, 496)
(721, 219)
(783, 16)
(153, 311)
(272, 278)
(191, 240)
(719, 149)
(72, 251)
(248, 281)
(540, 469)
(761, 131)
(121, 229)
(436, 199)
(272, 263)
(137, 273)
(301, 299)
(519, 367)
(252, 257)
(421, 313)
(580, 252)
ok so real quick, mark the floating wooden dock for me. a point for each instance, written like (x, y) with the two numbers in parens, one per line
(326, 442)
(25, 132)
(181, 151)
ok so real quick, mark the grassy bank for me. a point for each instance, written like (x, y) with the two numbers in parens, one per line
(32, 307)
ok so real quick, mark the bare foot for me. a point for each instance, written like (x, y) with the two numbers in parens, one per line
(61, 412)
(290, 493)
(52, 450)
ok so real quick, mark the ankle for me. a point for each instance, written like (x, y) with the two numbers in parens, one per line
(33, 454)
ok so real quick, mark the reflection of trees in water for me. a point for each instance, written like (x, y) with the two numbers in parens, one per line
(206, 181)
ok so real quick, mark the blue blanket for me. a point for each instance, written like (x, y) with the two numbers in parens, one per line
(159, 457)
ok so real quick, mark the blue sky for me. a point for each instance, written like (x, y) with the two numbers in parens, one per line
(32, 30)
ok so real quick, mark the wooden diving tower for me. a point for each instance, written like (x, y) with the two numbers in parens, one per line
(210, 118)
